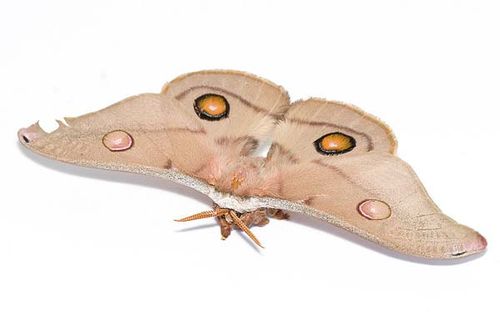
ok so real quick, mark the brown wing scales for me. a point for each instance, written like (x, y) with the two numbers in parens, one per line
(330, 157)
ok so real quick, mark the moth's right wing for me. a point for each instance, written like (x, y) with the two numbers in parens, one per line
(338, 163)
(199, 121)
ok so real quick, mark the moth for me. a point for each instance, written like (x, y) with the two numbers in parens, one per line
(326, 159)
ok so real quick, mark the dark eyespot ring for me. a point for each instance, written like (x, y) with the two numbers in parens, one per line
(211, 107)
(334, 143)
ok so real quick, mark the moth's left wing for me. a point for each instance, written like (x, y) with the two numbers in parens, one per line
(338, 163)
(197, 119)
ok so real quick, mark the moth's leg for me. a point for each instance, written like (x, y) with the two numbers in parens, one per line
(277, 213)
(225, 227)
(255, 218)
(221, 215)
(224, 222)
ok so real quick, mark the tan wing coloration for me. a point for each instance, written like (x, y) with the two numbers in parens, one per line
(243, 91)
(255, 105)
(165, 131)
(145, 128)
(327, 159)
(366, 189)
(306, 119)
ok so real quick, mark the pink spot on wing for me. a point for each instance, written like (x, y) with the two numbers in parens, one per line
(29, 134)
(482, 242)
(118, 140)
(374, 209)
(476, 243)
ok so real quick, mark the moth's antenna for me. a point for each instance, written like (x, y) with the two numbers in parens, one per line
(244, 228)
(223, 212)
(204, 214)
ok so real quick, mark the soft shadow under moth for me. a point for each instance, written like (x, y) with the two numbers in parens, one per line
(327, 159)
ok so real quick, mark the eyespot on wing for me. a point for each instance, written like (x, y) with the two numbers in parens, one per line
(211, 107)
(335, 143)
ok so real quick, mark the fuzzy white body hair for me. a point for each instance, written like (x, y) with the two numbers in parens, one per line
(236, 203)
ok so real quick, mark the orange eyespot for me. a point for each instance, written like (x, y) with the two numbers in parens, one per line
(211, 107)
(335, 143)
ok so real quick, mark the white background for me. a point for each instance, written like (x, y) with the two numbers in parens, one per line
(84, 251)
